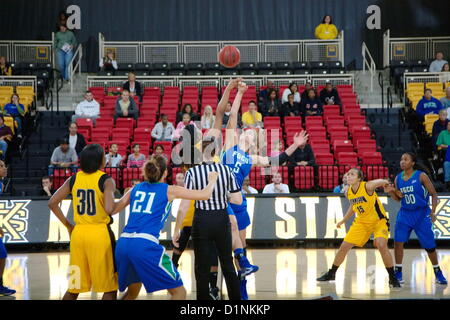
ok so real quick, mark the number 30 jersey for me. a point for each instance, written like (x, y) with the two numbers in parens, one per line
(368, 208)
(415, 195)
(87, 194)
(149, 208)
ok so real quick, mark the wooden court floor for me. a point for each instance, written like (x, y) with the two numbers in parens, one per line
(283, 274)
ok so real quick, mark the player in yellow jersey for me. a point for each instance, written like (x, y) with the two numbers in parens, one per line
(91, 239)
(370, 219)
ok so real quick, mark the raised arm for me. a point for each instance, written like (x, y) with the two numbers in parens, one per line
(174, 192)
(393, 191)
(56, 199)
(299, 139)
(425, 180)
(232, 121)
(217, 129)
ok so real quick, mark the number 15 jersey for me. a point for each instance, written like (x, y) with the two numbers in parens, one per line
(87, 194)
(368, 207)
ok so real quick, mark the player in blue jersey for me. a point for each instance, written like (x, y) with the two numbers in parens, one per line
(413, 188)
(140, 259)
(237, 157)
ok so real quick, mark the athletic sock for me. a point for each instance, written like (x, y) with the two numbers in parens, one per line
(333, 269)
(213, 279)
(436, 268)
(1, 281)
(398, 267)
(391, 272)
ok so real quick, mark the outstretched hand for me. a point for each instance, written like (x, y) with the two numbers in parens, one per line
(234, 83)
(242, 87)
(301, 138)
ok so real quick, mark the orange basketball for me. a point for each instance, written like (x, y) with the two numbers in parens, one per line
(229, 56)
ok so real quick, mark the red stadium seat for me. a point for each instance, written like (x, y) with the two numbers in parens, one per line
(303, 178)
(114, 173)
(104, 123)
(143, 123)
(129, 174)
(371, 158)
(313, 121)
(258, 177)
(100, 134)
(121, 134)
(328, 177)
(320, 147)
(346, 160)
(142, 133)
(375, 172)
(85, 133)
(325, 158)
(342, 146)
(125, 123)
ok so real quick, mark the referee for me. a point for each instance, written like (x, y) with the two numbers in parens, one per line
(211, 225)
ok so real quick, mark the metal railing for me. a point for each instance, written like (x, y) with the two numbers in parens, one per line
(28, 51)
(413, 48)
(368, 63)
(75, 64)
(200, 81)
(206, 51)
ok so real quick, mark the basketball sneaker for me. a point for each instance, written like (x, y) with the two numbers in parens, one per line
(394, 284)
(246, 266)
(242, 286)
(399, 276)
(327, 276)
(214, 293)
(5, 291)
(440, 279)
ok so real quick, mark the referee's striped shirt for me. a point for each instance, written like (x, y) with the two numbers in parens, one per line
(197, 178)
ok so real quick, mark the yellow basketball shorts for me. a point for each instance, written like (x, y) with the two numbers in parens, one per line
(92, 265)
(360, 232)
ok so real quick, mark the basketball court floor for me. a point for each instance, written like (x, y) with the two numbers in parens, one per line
(284, 274)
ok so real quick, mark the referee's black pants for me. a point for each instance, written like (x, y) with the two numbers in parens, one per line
(213, 229)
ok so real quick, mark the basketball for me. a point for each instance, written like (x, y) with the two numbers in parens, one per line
(229, 56)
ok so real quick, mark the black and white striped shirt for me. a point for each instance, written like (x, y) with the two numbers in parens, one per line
(197, 178)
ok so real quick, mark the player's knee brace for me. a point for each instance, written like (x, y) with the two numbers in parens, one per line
(430, 250)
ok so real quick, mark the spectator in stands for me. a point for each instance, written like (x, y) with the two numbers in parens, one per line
(276, 186)
(446, 100)
(136, 159)
(63, 157)
(428, 104)
(252, 118)
(87, 109)
(271, 106)
(126, 107)
(445, 68)
(292, 89)
(276, 149)
(226, 117)
(65, 43)
(342, 188)
(6, 136)
(303, 156)
(5, 68)
(329, 95)
(208, 118)
(62, 19)
(187, 108)
(134, 182)
(246, 188)
(108, 62)
(159, 151)
(47, 187)
(113, 158)
(163, 130)
(16, 110)
(311, 106)
(264, 94)
(326, 30)
(436, 65)
(445, 77)
(439, 126)
(179, 179)
(290, 108)
(76, 140)
(447, 169)
(443, 140)
(134, 87)
(308, 85)
(186, 121)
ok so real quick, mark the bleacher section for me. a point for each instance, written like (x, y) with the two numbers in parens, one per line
(340, 139)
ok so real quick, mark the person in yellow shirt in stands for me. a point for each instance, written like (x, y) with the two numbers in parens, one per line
(326, 30)
(252, 118)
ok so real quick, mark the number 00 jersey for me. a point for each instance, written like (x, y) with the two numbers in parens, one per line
(368, 208)
(415, 195)
(87, 194)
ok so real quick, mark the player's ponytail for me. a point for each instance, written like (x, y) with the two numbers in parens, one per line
(154, 168)
(417, 165)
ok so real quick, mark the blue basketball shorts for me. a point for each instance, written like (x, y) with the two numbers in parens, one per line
(241, 213)
(423, 227)
(3, 253)
(142, 260)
